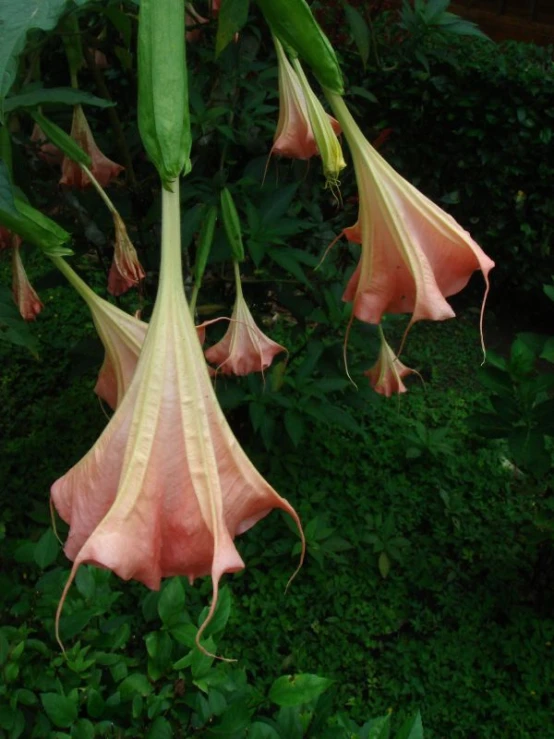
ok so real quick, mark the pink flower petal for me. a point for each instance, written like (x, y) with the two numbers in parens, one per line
(103, 169)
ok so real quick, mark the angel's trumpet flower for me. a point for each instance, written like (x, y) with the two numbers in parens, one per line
(294, 136)
(413, 254)
(244, 348)
(386, 375)
(166, 487)
(103, 169)
(126, 270)
(121, 334)
(24, 294)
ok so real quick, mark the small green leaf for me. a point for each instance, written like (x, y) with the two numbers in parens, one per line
(293, 690)
(137, 683)
(171, 604)
(160, 729)
(221, 615)
(61, 711)
(233, 14)
(294, 424)
(412, 728)
(359, 31)
(47, 549)
(384, 564)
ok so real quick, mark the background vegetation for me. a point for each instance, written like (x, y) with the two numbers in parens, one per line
(429, 519)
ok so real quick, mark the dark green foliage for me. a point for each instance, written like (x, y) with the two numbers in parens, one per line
(428, 578)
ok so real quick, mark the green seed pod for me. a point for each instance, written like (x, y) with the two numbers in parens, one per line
(163, 107)
(294, 25)
(204, 244)
(61, 139)
(231, 224)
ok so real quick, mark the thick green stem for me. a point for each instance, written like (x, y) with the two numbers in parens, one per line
(238, 281)
(171, 263)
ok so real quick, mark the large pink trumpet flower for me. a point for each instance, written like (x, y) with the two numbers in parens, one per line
(24, 295)
(244, 348)
(386, 375)
(121, 334)
(413, 254)
(126, 270)
(103, 169)
(294, 136)
(166, 487)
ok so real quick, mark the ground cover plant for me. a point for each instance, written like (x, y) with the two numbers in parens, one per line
(426, 587)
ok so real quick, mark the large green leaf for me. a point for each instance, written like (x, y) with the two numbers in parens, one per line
(62, 711)
(17, 18)
(359, 31)
(232, 17)
(54, 96)
(34, 227)
(293, 690)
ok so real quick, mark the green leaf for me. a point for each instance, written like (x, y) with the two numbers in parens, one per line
(54, 96)
(95, 703)
(412, 728)
(13, 329)
(293, 690)
(47, 549)
(288, 262)
(379, 728)
(259, 730)
(549, 291)
(384, 564)
(136, 683)
(18, 18)
(61, 139)
(496, 379)
(294, 424)
(85, 582)
(359, 31)
(171, 604)
(234, 720)
(160, 729)
(543, 416)
(233, 14)
(61, 711)
(83, 729)
(548, 350)
(522, 358)
(221, 615)
(488, 425)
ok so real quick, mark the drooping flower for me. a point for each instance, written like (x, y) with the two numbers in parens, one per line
(103, 169)
(126, 270)
(244, 348)
(24, 295)
(166, 487)
(47, 151)
(324, 129)
(294, 136)
(386, 374)
(413, 254)
(121, 334)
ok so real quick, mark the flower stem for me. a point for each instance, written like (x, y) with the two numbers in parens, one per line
(88, 295)
(99, 189)
(171, 263)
